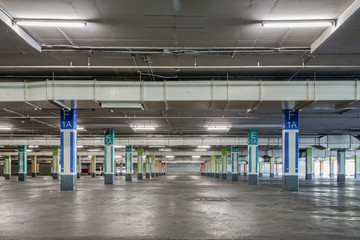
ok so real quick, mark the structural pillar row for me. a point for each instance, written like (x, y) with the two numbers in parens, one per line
(55, 165)
(272, 167)
(217, 166)
(321, 168)
(109, 163)
(213, 163)
(235, 163)
(290, 135)
(7, 167)
(309, 164)
(332, 167)
(128, 162)
(341, 153)
(152, 166)
(357, 166)
(224, 154)
(68, 155)
(78, 166)
(147, 166)
(261, 167)
(140, 162)
(33, 166)
(253, 156)
(22, 163)
(93, 166)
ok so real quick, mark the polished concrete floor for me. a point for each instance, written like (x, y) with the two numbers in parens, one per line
(178, 206)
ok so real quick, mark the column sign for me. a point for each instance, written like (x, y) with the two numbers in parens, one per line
(253, 137)
(68, 119)
(290, 120)
(109, 136)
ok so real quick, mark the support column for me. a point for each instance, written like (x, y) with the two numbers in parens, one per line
(78, 166)
(217, 166)
(156, 168)
(93, 166)
(22, 163)
(147, 166)
(277, 169)
(321, 168)
(55, 169)
(235, 163)
(245, 169)
(341, 165)
(7, 167)
(121, 165)
(272, 166)
(165, 167)
(128, 162)
(357, 166)
(253, 156)
(140, 162)
(290, 126)
(109, 163)
(261, 165)
(332, 167)
(33, 166)
(153, 166)
(68, 141)
(313, 169)
(309, 163)
(224, 162)
(212, 160)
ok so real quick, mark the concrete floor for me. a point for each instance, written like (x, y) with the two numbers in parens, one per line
(178, 206)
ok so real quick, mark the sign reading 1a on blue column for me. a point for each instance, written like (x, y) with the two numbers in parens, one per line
(290, 119)
(68, 119)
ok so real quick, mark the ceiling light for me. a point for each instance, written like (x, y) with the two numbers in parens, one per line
(143, 128)
(169, 156)
(5, 128)
(94, 150)
(297, 24)
(165, 150)
(50, 23)
(29, 150)
(196, 156)
(204, 146)
(79, 146)
(156, 146)
(122, 105)
(218, 128)
(120, 146)
(117, 156)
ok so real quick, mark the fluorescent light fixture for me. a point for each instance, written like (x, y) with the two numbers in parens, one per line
(169, 156)
(94, 150)
(156, 146)
(165, 150)
(125, 105)
(29, 150)
(204, 146)
(50, 23)
(196, 156)
(298, 24)
(118, 156)
(143, 128)
(79, 146)
(5, 128)
(80, 128)
(120, 146)
(218, 128)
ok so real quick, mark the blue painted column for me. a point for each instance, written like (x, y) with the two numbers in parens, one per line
(341, 154)
(224, 162)
(109, 164)
(140, 162)
(147, 167)
(309, 163)
(68, 155)
(290, 134)
(55, 169)
(7, 167)
(128, 163)
(22, 163)
(235, 163)
(357, 166)
(253, 156)
(272, 167)
(217, 166)
(332, 167)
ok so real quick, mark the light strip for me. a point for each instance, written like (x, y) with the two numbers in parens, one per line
(297, 24)
(120, 146)
(218, 128)
(196, 156)
(51, 23)
(5, 128)
(169, 156)
(144, 128)
(204, 146)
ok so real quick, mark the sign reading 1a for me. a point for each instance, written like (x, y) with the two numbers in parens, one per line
(68, 119)
(253, 137)
(290, 119)
(109, 136)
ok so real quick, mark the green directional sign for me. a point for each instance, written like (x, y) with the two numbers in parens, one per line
(253, 137)
(109, 136)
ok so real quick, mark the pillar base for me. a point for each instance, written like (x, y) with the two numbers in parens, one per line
(308, 176)
(164, 173)
(245, 174)
(357, 175)
(109, 178)
(217, 175)
(332, 175)
(291, 183)
(140, 176)
(235, 177)
(313, 175)
(147, 175)
(224, 176)
(55, 175)
(212, 175)
(272, 175)
(93, 174)
(208, 174)
(128, 176)
(78, 175)
(22, 177)
(33, 174)
(341, 177)
(260, 174)
(152, 174)
(321, 174)
(68, 183)
(120, 173)
(7, 176)
(157, 174)
(253, 179)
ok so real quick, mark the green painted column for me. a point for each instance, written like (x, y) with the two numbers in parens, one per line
(235, 163)
(217, 166)
(7, 167)
(224, 155)
(357, 166)
(22, 163)
(152, 166)
(309, 163)
(253, 156)
(128, 162)
(213, 164)
(55, 164)
(147, 166)
(140, 162)
(78, 166)
(109, 151)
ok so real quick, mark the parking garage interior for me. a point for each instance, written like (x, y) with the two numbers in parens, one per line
(179, 119)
